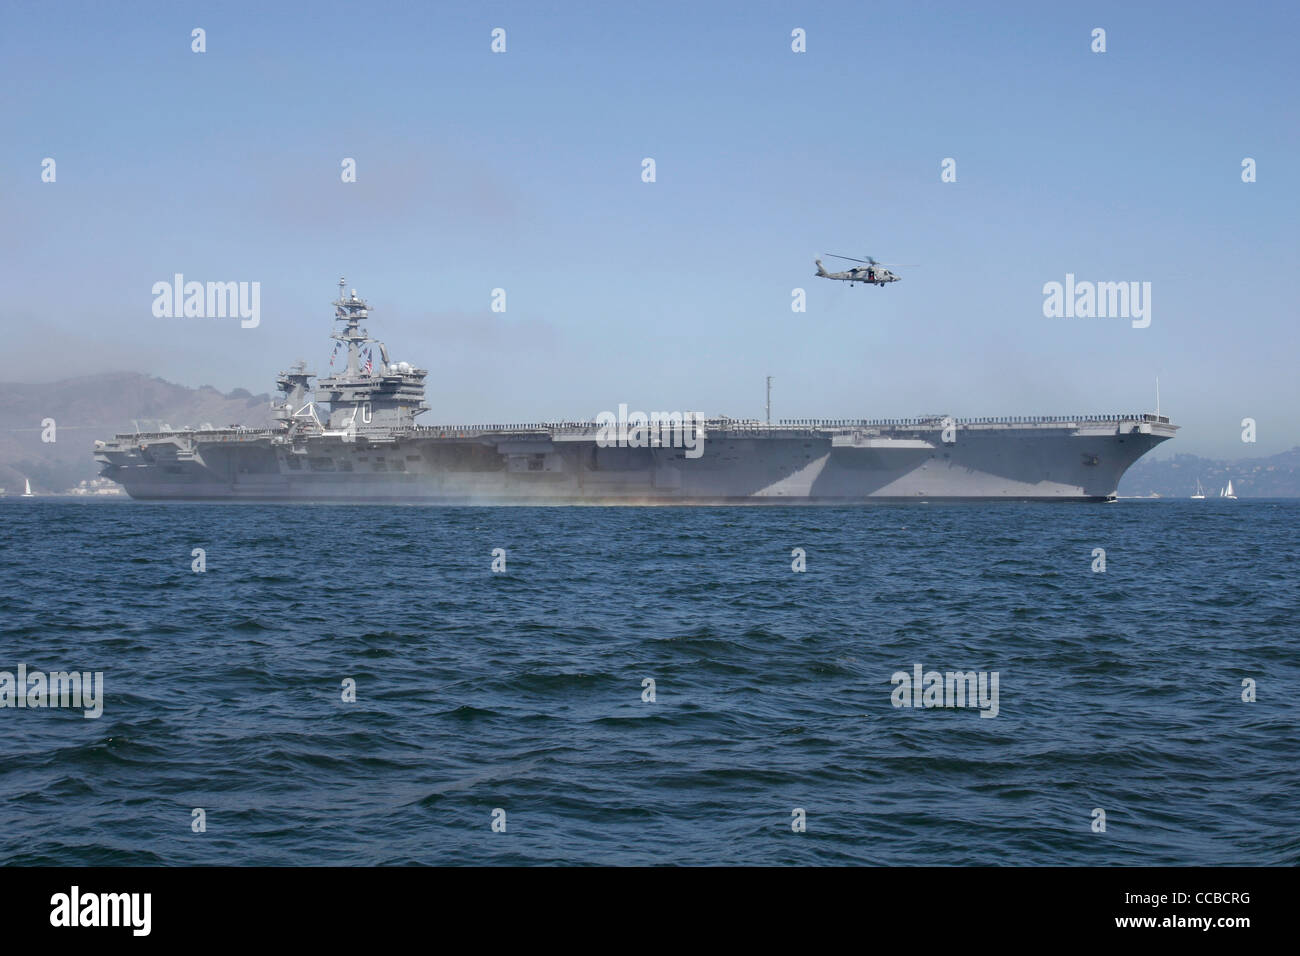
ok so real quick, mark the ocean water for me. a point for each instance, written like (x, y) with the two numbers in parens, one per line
(522, 691)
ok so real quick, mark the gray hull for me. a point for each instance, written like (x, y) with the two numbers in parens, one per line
(357, 440)
(822, 463)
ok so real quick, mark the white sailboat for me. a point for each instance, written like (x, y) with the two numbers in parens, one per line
(1227, 492)
(1200, 492)
(27, 488)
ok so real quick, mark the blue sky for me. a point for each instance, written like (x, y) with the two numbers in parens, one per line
(523, 171)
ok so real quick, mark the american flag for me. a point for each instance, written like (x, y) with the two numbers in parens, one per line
(332, 354)
(367, 368)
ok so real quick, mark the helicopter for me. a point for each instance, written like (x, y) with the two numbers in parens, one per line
(870, 273)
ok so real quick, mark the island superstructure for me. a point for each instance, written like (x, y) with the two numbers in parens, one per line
(354, 438)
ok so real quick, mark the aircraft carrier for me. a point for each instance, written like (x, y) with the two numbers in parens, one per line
(353, 438)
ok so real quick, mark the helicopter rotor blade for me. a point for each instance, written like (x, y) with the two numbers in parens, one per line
(873, 261)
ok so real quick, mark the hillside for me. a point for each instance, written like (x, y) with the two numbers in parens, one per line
(1277, 476)
(100, 406)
